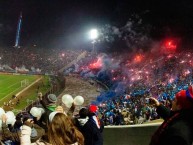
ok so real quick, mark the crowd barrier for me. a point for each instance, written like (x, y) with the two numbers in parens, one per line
(130, 134)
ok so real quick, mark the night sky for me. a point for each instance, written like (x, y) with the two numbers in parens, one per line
(64, 23)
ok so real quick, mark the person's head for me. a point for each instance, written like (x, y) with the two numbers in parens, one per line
(61, 131)
(93, 109)
(51, 99)
(83, 113)
(60, 109)
(183, 100)
(40, 94)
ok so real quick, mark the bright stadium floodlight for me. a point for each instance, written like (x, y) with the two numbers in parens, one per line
(93, 34)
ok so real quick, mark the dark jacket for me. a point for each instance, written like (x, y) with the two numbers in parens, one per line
(177, 128)
(44, 120)
(90, 131)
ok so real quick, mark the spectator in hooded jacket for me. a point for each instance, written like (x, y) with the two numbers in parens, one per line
(88, 128)
(177, 128)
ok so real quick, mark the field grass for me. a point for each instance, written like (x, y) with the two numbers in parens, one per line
(31, 94)
(11, 84)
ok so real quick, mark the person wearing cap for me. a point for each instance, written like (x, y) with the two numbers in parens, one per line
(177, 128)
(93, 112)
(49, 105)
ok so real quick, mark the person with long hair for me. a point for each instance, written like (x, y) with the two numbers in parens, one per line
(61, 131)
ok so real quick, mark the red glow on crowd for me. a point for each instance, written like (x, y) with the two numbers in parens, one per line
(138, 58)
(96, 65)
(170, 45)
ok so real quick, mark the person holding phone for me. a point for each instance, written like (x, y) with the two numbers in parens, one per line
(177, 128)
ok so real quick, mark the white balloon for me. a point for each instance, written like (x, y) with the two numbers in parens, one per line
(11, 121)
(10, 117)
(68, 105)
(42, 110)
(78, 100)
(67, 100)
(36, 112)
(1, 112)
(10, 114)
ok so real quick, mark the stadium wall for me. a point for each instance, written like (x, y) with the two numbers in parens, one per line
(129, 135)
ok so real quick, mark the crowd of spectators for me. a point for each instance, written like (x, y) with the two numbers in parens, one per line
(35, 60)
(48, 124)
(130, 79)
(129, 84)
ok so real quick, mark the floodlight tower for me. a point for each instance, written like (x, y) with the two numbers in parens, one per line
(93, 37)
